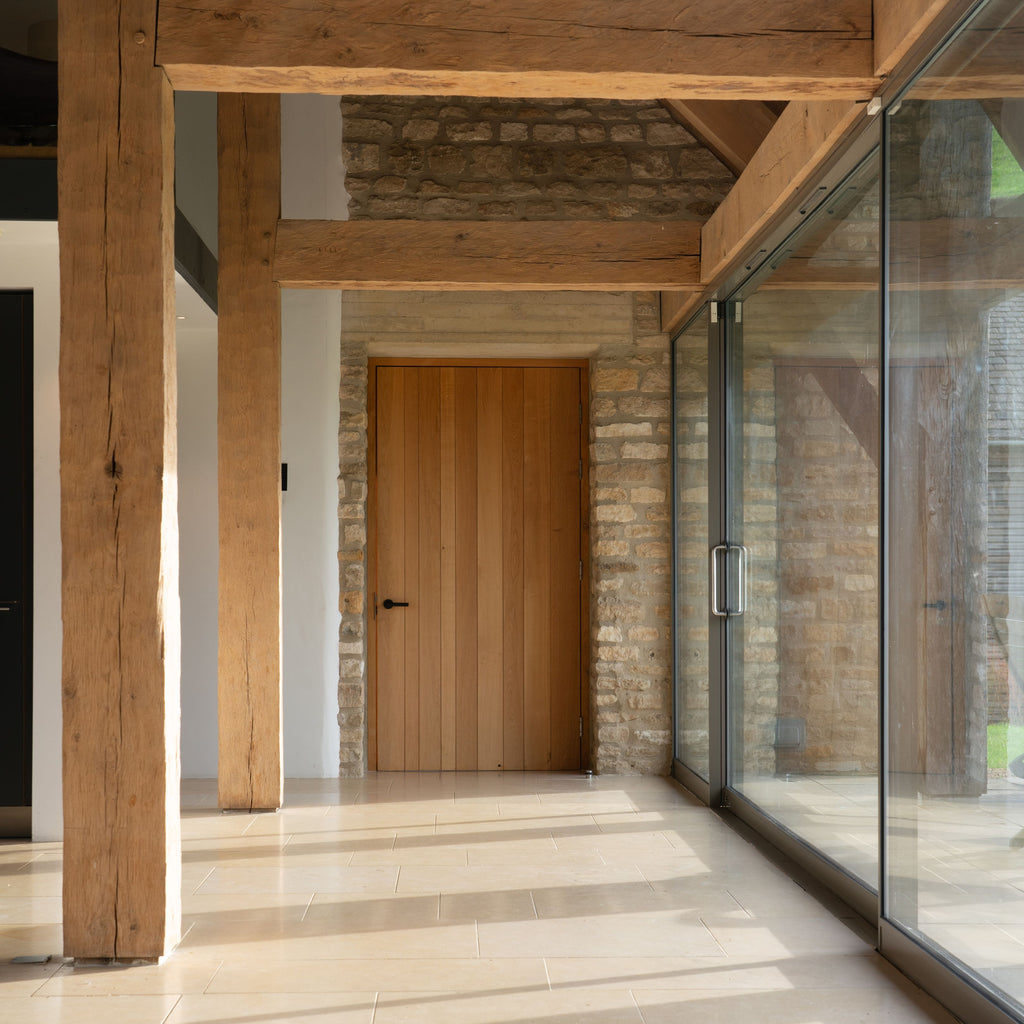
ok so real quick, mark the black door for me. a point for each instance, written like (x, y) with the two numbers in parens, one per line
(15, 557)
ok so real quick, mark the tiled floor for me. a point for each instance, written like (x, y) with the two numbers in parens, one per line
(456, 898)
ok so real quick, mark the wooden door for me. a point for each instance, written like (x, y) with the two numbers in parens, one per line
(478, 484)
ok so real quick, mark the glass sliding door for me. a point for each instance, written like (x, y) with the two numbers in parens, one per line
(692, 661)
(802, 531)
(954, 881)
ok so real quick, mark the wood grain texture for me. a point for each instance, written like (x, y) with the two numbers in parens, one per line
(118, 451)
(466, 461)
(389, 567)
(428, 430)
(468, 255)
(408, 526)
(739, 49)
(537, 571)
(490, 594)
(512, 539)
(475, 497)
(804, 136)
(449, 589)
(677, 307)
(250, 767)
(899, 27)
(732, 129)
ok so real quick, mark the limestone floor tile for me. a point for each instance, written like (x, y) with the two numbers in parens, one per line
(314, 940)
(258, 909)
(88, 1009)
(24, 979)
(202, 823)
(444, 855)
(502, 878)
(37, 878)
(616, 847)
(865, 970)
(326, 878)
(31, 940)
(388, 912)
(787, 936)
(644, 934)
(897, 1004)
(30, 910)
(392, 975)
(513, 905)
(174, 976)
(630, 897)
(564, 1007)
(214, 852)
(275, 1008)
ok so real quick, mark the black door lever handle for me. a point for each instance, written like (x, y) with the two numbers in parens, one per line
(388, 603)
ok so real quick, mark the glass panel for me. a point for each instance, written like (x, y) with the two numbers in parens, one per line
(955, 797)
(803, 500)
(691, 483)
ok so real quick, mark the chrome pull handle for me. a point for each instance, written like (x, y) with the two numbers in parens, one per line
(716, 608)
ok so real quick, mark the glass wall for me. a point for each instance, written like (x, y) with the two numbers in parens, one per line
(690, 418)
(955, 779)
(803, 516)
(865, 451)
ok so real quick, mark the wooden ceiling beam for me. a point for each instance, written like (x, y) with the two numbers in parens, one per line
(732, 129)
(522, 48)
(493, 255)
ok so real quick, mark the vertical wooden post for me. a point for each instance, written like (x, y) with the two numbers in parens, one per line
(249, 453)
(121, 654)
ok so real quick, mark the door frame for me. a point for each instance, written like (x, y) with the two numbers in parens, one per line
(583, 365)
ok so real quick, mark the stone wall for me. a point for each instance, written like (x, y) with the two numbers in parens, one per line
(470, 159)
(435, 158)
(352, 508)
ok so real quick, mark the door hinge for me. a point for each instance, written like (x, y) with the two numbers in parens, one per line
(581, 727)
(581, 570)
(739, 312)
(713, 311)
(581, 469)
(581, 413)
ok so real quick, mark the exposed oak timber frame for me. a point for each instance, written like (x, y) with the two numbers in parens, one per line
(899, 28)
(637, 50)
(119, 600)
(803, 139)
(250, 764)
(538, 256)
(117, 379)
(732, 129)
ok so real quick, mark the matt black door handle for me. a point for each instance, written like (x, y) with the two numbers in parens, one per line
(388, 603)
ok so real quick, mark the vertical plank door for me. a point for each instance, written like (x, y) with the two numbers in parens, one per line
(477, 505)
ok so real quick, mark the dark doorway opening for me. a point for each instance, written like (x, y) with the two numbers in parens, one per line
(16, 563)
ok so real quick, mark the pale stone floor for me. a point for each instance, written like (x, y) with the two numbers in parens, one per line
(463, 897)
(958, 862)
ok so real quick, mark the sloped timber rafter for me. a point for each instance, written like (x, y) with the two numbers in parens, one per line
(737, 49)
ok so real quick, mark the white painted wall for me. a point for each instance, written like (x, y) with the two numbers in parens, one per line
(312, 187)
(197, 545)
(29, 260)
(195, 162)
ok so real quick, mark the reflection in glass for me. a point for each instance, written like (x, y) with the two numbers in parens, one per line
(955, 797)
(691, 483)
(803, 460)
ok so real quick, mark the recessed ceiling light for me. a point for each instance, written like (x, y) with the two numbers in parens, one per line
(181, 317)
